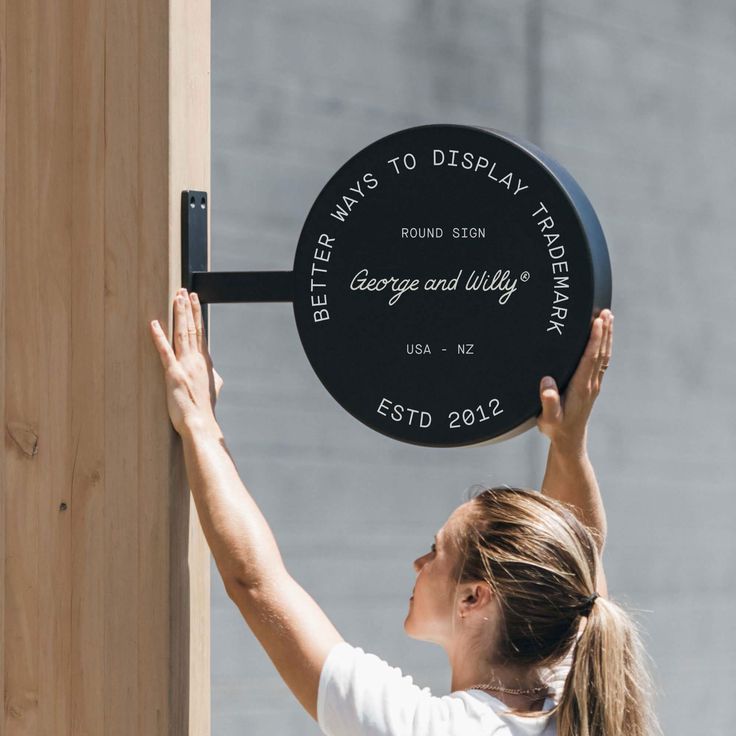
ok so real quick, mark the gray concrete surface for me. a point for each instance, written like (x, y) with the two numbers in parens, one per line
(638, 101)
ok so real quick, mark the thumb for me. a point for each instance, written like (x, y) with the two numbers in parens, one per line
(218, 381)
(168, 358)
(551, 407)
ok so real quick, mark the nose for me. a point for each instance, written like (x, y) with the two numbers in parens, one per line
(419, 563)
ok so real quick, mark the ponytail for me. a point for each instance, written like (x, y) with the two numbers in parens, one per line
(541, 562)
(608, 691)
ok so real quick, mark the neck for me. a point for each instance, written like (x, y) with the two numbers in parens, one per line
(468, 671)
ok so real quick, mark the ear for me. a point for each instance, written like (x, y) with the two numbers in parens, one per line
(474, 596)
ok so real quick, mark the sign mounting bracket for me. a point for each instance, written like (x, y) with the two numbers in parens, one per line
(221, 287)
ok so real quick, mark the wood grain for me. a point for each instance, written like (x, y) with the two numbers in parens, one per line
(104, 571)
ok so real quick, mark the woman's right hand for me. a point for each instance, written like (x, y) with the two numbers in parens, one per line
(564, 419)
(192, 383)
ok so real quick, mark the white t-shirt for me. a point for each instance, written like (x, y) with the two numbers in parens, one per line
(362, 695)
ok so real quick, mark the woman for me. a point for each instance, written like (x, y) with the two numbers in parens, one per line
(513, 588)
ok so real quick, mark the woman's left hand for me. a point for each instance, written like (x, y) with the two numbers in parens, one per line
(564, 419)
(192, 383)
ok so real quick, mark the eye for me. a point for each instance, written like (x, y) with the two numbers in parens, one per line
(433, 547)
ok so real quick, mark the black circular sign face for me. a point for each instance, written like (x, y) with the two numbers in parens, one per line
(441, 272)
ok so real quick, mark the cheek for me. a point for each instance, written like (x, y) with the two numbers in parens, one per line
(434, 595)
(423, 593)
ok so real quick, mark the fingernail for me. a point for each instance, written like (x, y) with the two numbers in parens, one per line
(548, 382)
(195, 297)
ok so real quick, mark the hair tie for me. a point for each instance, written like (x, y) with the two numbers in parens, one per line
(587, 604)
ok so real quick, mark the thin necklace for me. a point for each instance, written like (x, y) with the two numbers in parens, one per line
(510, 690)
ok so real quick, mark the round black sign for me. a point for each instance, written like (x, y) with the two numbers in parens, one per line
(441, 272)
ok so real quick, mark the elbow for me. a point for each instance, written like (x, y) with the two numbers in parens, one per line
(599, 533)
(600, 530)
(599, 547)
(236, 583)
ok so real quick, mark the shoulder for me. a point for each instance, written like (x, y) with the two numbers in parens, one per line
(556, 675)
(361, 694)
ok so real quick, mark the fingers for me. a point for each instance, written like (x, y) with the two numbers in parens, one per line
(593, 350)
(181, 334)
(188, 329)
(587, 367)
(162, 345)
(198, 322)
(189, 317)
(604, 354)
(184, 324)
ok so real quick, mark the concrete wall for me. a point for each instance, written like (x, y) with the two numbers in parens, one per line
(637, 100)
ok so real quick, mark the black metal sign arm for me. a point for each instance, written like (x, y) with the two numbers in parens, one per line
(220, 287)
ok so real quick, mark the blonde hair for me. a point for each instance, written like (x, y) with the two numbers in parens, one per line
(540, 561)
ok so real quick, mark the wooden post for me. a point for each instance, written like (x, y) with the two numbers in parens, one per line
(104, 570)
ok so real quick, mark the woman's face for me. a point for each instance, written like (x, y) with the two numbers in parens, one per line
(432, 605)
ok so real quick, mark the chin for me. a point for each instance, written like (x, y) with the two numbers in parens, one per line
(410, 631)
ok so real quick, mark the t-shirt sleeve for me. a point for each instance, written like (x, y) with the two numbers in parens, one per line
(359, 694)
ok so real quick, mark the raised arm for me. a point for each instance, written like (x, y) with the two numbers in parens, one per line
(569, 476)
(291, 627)
(294, 631)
